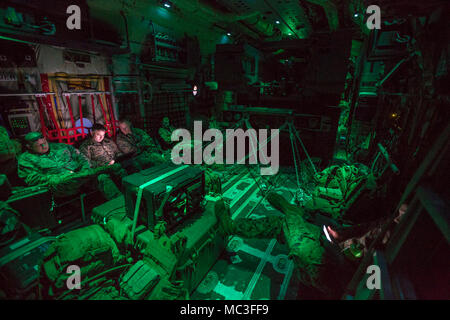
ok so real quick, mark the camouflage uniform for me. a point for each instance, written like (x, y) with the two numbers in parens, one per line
(303, 238)
(8, 151)
(60, 163)
(135, 142)
(100, 153)
(337, 189)
(140, 143)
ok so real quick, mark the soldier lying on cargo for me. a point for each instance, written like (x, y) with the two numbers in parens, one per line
(136, 142)
(321, 263)
(307, 250)
(62, 168)
(346, 193)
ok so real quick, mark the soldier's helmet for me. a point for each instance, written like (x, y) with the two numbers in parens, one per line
(33, 136)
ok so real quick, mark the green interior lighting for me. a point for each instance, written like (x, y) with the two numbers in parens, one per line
(16, 40)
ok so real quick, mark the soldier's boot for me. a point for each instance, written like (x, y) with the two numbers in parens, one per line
(107, 186)
(267, 227)
(308, 259)
(280, 203)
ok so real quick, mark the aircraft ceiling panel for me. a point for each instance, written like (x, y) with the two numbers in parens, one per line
(293, 22)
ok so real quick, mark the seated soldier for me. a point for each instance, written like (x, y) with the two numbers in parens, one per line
(165, 133)
(100, 151)
(139, 144)
(9, 150)
(62, 168)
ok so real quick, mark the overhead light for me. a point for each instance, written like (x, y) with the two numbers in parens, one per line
(356, 15)
(289, 34)
(167, 4)
(228, 34)
(277, 22)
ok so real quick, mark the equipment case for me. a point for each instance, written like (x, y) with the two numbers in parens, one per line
(155, 182)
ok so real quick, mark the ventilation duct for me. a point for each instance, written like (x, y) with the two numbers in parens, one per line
(331, 12)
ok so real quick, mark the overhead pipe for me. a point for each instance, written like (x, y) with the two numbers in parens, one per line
(25, 94)
(331, 12)
(195, 6)
(126, 29)
(259, 27)
(63, 93)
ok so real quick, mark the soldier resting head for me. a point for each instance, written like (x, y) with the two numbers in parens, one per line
(61, 167)
(138, 143)
(166, 122)
(98, 132)
(37, 143)
(165, 133)
(125, 126)
(98, 149)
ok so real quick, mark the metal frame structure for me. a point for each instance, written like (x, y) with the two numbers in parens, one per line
(66, 135)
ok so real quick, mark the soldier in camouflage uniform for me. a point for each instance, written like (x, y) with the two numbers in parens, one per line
(99, 150)
(303, 239)
(61, 167)
(136, 141)
(165, 133)
(321, 264)
(9, 149)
